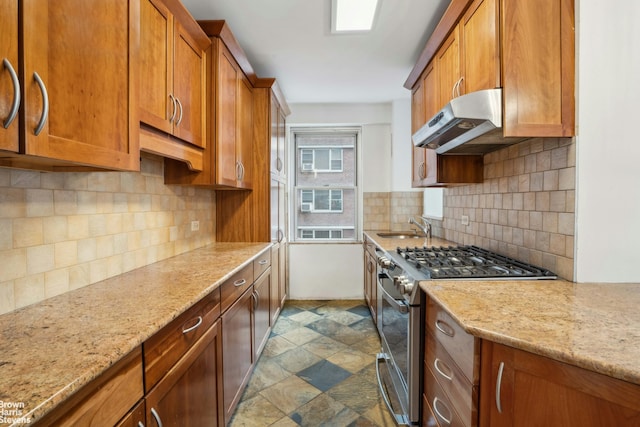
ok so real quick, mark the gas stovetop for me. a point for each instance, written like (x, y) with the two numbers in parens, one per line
(468, 262)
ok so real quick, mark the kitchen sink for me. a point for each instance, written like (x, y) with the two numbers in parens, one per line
(400, 235)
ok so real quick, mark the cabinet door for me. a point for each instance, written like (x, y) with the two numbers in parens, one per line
(80, 79)
(237, 350)
(156, 59)
(538, 60)
(537, 391)
(417, 120)
(480, 48)
(226, 125)
(189, 394)
(244, 143)
(261, 316)
(448, 64)
(9, 82)
(282, 283)
(275, 283)
(189, 88)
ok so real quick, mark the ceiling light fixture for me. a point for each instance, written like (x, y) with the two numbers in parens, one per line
(349, 16)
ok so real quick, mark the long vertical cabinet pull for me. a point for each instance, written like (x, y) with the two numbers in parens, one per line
(16, 94)
(175, 107)
(498, 387)
(140, 424)
(45, 104)
(180, 116)
(156, 416)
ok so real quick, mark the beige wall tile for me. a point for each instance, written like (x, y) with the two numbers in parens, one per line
(28, 290)
(27, 232)
(524, 208)
(40, 259)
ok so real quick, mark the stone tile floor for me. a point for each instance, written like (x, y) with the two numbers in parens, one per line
(317, 369)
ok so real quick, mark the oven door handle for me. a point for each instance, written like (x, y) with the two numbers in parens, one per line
(400, 419)
(400, 306)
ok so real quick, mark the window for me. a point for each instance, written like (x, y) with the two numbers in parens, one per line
(325, 185)
(321, 159)
(321, 200)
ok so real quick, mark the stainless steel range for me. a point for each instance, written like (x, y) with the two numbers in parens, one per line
(401, 311)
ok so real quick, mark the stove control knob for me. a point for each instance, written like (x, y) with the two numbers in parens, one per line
(406, 286)
(384, 262)
(398, 280)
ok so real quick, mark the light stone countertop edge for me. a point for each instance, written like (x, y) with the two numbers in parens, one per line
(53, 348)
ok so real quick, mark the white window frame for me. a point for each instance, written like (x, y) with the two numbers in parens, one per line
(294, 190)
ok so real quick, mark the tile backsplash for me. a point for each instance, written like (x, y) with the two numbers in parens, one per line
(525, 208)
(64, 230)
(391, 210)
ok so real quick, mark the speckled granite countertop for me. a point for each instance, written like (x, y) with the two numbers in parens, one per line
(51, 349)
(594, 326)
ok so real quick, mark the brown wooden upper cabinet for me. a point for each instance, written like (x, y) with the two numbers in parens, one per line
(77, 80)
(527, 50)
(228, 157)
(173, 81)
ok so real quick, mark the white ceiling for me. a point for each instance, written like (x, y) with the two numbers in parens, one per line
(291, 40)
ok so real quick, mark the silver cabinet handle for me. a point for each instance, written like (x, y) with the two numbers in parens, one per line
(455, 90)
(436, 365)
(443, 327)
(280, 235)
(140, 424)
(255, 296)
(239, 283)
(156, 416)
(180, 116)
(241, 171)
(194, 327)
(421, 171)
(45, 104)
(16, 94)
(498, 387)
(175, 108)
(238, 170)
(435, 409)
(278, 164)
(263, 262)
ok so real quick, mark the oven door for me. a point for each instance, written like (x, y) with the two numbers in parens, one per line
(391, 364)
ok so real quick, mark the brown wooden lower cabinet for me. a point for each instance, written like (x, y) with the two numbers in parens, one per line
(105, 400)
(237, 350)
(523, 389)
(188, 394)
(135, 418)
(261, 320)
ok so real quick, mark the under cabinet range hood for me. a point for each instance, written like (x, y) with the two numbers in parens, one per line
(468, 124)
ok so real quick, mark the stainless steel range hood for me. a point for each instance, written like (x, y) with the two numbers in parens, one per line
(468, 124)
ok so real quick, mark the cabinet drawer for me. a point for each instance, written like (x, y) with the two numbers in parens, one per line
(231, 290)
(462, 346)
(456, 386)
(442, 409)
(167, 346)
(261, 263)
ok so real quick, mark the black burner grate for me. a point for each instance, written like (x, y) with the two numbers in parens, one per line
(469, 262)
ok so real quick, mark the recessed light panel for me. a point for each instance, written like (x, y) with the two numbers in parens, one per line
(349, 16)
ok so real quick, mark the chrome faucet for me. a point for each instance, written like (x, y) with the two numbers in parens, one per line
(425, 226)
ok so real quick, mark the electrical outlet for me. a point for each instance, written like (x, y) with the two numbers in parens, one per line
(195, 225)
(465, 219)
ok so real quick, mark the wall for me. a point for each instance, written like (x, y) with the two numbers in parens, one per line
(608, 194)
(324, 270)
(61, 231)
(525, 208)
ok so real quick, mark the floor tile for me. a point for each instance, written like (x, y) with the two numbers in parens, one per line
(317, 369)
(324, 411)
(324, 374)
(289, 394)
(296, 359)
